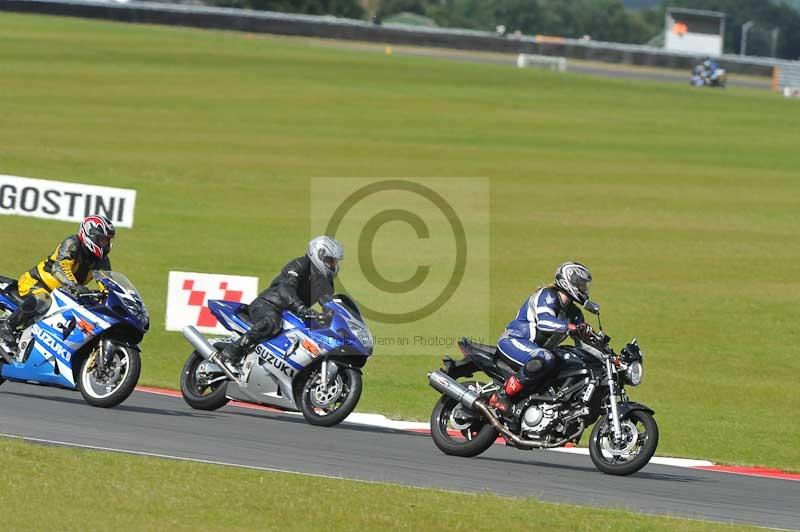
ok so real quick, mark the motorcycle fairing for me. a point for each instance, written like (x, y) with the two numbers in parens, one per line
(55, 339)
(9, 297)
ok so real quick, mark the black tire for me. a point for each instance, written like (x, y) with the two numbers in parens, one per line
(611, 466)
(476, 438)
(122, 391)
(350, 378)
(192, 392)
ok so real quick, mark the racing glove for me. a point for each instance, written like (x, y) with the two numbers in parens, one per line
(309, 314)
(580, 330)
(77, 289)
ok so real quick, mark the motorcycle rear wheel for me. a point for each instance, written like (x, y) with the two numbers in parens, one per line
(466, 442)
(621, 465)
(196, 395)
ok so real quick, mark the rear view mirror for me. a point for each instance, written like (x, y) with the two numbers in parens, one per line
(592, 307)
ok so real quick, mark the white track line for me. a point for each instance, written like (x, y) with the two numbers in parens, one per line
(214, 462)
(313, 475)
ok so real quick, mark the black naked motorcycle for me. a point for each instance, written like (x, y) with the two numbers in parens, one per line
(589, 388)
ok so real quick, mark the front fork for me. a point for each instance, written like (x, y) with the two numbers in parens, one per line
(612, 401)
(328, 372)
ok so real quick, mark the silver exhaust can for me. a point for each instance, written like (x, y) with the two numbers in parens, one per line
(199, 342)
(450, 387)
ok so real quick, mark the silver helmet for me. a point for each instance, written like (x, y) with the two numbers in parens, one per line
(326, 253)
(575, 279)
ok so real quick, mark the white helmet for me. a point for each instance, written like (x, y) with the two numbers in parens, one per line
(574, 278)
(326, 253)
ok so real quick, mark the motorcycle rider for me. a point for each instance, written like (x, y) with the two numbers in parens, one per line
(301, 284)
(70, 266)
(541, 324)
(709, 67)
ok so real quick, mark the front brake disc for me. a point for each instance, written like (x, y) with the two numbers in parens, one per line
(630, 436)
(322, 398)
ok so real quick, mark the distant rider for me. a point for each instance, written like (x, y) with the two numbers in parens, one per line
(300, 285)
(542, 323)
(70, 266)
(709, 67)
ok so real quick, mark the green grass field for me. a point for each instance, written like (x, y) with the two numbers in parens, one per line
(157, 494)
(683, 202)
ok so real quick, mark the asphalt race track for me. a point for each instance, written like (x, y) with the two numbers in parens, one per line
(162, 425)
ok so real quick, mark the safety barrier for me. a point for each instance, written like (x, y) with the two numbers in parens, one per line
(341, 28)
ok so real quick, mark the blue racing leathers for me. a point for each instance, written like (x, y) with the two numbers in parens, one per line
(541, 323)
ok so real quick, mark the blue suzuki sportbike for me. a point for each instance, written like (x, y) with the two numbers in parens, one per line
(88, 342)
(313, 366)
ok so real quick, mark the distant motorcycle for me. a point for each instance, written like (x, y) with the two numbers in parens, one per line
(88, 341)
(313, 366)
(589, 388)
(703, 76)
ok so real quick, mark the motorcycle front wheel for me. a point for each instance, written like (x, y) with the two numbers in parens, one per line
(108, 388)
(638, 445)
(202, 391)
(458, 432)
(330, 405)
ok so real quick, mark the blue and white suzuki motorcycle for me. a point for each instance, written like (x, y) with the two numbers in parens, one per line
(88, 342)
(313, 366)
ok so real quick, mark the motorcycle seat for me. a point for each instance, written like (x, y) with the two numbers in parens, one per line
(486, 356)
(486, 349)
(244, 315)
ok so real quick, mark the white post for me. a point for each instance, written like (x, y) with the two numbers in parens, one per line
(775, 33)
(743, 43)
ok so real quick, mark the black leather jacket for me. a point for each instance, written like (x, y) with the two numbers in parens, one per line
(297, 287)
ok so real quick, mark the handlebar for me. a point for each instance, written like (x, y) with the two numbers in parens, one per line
(96, 294)
(598, 339)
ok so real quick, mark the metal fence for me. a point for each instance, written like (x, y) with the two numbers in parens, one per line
(341, 28)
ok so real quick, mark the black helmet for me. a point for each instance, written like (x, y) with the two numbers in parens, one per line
(574, 279)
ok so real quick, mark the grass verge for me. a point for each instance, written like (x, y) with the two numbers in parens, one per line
(109, 491)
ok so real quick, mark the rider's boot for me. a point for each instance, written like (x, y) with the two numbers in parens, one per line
(235, 351)
(8, 327)
(501, 399)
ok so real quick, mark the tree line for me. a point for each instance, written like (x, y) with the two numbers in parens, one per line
(602, 20)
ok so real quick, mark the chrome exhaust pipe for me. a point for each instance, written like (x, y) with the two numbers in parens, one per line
(472, 401)
(206, 350)
(450, 387)
(199, 342)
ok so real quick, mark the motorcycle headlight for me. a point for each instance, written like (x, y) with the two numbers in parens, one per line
(362, 333)
(635, 374)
